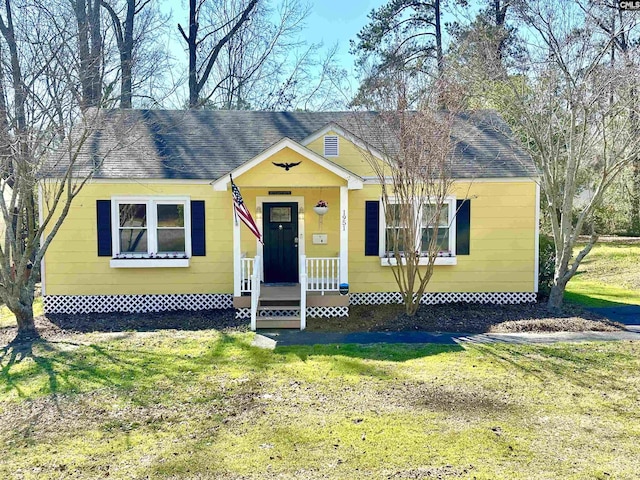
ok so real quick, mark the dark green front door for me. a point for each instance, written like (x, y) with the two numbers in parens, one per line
(280, 230)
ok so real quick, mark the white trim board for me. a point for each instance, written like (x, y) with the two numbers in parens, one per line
(389, 181)
(169, 181)
(150, 201)
(450, 200)
(354, 182)
(536, 241)
(43, 276)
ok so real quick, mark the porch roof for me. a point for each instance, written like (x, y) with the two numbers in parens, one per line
(353, 181)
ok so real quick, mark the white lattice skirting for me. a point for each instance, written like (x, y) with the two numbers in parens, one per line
(135, 303)
(162, 303)
(497, 298)
(313, 312)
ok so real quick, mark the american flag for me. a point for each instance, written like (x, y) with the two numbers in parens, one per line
(242, 211)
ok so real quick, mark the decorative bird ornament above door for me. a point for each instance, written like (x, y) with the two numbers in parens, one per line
(286, 166)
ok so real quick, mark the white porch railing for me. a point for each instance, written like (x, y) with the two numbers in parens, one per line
(303, 300)
(246, 273)
(255, 292)
(322, 274)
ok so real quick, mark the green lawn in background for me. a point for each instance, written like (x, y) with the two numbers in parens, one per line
(608, 276)
(174, 404)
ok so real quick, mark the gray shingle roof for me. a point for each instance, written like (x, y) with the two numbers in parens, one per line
(175, 144)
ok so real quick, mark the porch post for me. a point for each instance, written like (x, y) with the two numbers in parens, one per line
(236, 254)
(344, 235)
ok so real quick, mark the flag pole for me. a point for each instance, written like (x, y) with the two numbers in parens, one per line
(235, 214)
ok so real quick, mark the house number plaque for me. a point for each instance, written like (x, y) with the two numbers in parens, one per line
(344, 220)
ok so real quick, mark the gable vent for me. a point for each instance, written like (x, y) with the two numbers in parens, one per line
(331, 146)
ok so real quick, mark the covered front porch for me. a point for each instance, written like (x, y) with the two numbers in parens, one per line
(317, 294)
(301, 266)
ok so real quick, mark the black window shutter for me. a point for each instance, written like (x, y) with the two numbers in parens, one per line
(103, 210)
(463, 226)
(198, 246)
(372, 228)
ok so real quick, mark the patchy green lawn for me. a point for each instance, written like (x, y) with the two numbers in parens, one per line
(609, 275)
(206, 404)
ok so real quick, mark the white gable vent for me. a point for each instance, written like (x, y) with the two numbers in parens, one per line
(331, 146)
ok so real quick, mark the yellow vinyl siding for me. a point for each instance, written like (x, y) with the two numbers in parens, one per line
(349, 156)
(502, 253)
(72, 266)
(308, 173)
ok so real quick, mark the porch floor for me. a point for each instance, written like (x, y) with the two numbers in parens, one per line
(288, 292)
(284, 295)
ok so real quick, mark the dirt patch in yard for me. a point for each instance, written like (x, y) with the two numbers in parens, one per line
(465, 317)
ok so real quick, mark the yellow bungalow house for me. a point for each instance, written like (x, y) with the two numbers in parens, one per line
(155, 228)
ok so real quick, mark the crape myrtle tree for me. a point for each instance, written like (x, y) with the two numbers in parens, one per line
(415, 127)
(42, 131)
(574, 114)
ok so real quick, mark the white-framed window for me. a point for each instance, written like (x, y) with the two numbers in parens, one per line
(331, 146)
(425, 216)
(151, 231)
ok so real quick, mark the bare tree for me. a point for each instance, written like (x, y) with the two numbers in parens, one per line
(254, 61)
(90, 50)
(416, 178)
(574, 114)
(207, 39)
(40, 113)
(619, 27)
(136, 25)
(256, 58)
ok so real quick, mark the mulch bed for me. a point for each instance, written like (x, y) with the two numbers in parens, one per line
(56, 326)
(462, 317)
(466, 317)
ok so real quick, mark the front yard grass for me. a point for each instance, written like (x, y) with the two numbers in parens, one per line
(174, 404)
(608, 276)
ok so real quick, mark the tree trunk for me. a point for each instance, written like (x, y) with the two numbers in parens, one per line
(556, 295)
(126, 56)
(23, 310)
(411, 306)
(194, 91)
(96, 51)
(89, 50)
(439, 54)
